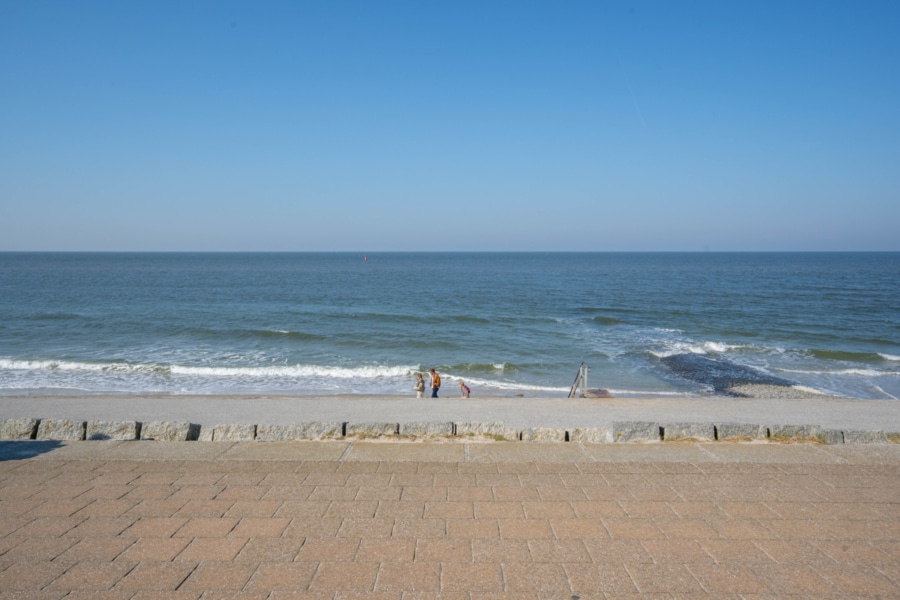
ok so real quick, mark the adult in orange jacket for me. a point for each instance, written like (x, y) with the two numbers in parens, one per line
(435, 383)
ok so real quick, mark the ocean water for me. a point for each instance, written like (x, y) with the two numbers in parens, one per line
(506, 323)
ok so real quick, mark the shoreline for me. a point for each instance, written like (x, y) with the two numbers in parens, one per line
(750, 390)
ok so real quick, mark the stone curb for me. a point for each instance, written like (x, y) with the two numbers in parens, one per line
(617, 432)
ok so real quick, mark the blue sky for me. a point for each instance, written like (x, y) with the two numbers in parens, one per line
(371, 126)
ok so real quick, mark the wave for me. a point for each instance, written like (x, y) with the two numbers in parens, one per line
(487, 368)
(889, 357)
(867, 357)
(280, 371)
(475, 383)
(702, 348)
(62, 365)
(132, 377)
(857, 372)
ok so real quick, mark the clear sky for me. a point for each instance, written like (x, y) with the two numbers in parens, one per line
(460, 125)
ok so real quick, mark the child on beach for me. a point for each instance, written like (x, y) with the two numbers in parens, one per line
(464, 390)
(419, 385)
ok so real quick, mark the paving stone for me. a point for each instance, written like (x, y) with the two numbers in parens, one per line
(405, 577)
(307, 430)
(278, 451)
(452, 520)
(112, 430)
(54, 429)
(379, 452)
(478, 577)
(531, 453)
(18, 429)
(156, 575)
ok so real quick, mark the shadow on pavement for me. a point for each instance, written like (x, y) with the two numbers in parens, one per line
(20, 450)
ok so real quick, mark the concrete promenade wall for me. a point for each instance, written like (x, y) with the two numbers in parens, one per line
(617, 432)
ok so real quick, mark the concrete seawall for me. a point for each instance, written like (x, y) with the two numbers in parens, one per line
(537, 420)
(617, 432)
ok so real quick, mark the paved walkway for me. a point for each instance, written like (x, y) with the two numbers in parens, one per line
(209, 411)
(402, 521)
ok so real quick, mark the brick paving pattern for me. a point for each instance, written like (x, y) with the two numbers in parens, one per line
(190, 521)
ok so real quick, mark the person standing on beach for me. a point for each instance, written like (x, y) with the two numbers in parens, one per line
(419, 386)
(464, 390)
(435, 383)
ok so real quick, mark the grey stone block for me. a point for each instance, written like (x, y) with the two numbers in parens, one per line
(206, 434)
(233, 433)
(372, 429)
(18, 429)
(634, 431)
(591, 435)
(831, 436)
(793, 431)
(307, 430)
(169, 431)
(543, 434)
(857, 436)
(426, 428)
(58, 429)
(727, 431)
(112, 430)
(492, 429)
(687, 431)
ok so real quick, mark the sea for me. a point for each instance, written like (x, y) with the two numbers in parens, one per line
(508, 324)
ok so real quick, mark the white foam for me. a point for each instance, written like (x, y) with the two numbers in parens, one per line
(299, 371)
(651, 394)
(508, 385)
(890, 357)
(703, 348)
(859, 372)
(61, 365)
(878, 388)
(809, 390)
